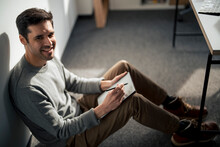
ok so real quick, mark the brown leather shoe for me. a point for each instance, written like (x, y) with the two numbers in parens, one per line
(184, 110)
(189, 134)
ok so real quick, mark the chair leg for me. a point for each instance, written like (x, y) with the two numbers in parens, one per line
(175, 22)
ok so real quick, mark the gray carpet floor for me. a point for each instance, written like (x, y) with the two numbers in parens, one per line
(144, 38)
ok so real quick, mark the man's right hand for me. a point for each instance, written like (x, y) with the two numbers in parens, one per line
(113, 99)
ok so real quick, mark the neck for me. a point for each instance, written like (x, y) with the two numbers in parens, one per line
(34, 62)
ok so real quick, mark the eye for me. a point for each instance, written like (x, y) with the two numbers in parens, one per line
(51, 35)
(39, 37)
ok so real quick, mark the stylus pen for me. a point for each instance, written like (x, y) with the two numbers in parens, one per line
(114, 87)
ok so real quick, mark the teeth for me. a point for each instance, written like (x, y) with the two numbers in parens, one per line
(48, 49)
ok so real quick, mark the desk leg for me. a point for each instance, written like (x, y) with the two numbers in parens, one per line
(208, 66)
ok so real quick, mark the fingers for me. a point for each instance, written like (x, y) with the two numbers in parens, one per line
(115, 97)
(122, 75)
(121, 97)
(118, 77)
(118, 88)
(119, 92)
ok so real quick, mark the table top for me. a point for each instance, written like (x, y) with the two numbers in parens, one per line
(210, 26)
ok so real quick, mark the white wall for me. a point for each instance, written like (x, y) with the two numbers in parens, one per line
(84, 7)
(136, 5)
(12, 130)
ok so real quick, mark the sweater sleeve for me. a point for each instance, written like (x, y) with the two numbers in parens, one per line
(80, 84)
(37, 107)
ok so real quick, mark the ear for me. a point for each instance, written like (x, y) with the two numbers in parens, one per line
(22, 39)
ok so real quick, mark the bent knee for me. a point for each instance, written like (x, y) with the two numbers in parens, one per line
(123, 64)
(123, 61)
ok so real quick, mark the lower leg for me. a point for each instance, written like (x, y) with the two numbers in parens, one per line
(146, 113)
(153, 116)
(141, 109)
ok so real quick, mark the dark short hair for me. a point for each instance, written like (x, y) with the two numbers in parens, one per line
(31, 16)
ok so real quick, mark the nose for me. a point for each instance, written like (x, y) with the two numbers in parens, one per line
(48, 41)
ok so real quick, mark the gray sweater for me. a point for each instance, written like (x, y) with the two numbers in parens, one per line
(40, 95)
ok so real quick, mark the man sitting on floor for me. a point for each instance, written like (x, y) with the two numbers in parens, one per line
(39, 86)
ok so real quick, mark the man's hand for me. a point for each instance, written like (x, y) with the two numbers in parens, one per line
(108, 83)
(113, 99)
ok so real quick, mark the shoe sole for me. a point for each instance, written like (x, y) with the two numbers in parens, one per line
(191, 142)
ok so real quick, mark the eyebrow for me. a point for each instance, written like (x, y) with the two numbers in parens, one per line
(51, 33)
(41, 35)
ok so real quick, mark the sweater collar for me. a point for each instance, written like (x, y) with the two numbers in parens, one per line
(33, 68)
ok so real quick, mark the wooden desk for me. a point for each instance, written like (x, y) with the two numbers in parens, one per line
(210, 26)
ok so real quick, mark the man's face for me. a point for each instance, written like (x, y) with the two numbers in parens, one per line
(41, 45)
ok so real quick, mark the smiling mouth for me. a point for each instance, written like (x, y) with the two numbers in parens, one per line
(48, 49)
